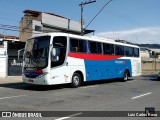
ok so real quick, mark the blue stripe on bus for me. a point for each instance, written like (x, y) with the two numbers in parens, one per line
(106, 69)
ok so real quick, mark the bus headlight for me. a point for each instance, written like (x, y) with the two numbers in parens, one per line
(41, 75)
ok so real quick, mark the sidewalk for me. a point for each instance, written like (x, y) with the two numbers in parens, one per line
(10, 79)
(149, 72)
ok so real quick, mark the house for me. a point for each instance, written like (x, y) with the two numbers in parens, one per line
(3, 58)
(36, 22)
(8, 38)
(9, 47)
(148, 54)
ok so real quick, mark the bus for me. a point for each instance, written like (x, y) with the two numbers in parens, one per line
(62, 58)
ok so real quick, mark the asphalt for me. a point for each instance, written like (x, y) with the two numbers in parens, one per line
(133, 95)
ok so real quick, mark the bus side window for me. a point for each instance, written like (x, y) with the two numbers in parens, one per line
(128, 51)
(94, 47)
(119, 50)
(89, 47)
(73, 45)
(108, 49)
(82, 46)
(78, 45)
(99, 48)
(136, 52)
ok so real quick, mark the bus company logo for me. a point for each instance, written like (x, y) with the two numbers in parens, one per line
(6, 114)
(124, 62)
(120, 62)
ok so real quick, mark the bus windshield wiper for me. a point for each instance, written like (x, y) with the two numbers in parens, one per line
(25, 66)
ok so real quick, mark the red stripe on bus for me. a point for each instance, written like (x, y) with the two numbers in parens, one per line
(92, 56)
(38, 71)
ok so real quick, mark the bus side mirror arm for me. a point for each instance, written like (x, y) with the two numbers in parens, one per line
(54, 56)
(53, 51)
(19, 53)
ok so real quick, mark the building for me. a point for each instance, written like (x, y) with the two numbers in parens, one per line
(148, 54)
(8, 37)
(10, 65)
(3, 59)
(150, 59)
(36, 22)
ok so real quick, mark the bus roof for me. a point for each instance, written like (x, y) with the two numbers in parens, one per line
(91, 38)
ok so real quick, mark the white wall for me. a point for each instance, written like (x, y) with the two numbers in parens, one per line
(3, 66)
(38, 23)
(3, 60)
(60, 22)
(144, 54)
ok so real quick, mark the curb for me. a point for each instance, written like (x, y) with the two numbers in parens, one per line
(11, 79)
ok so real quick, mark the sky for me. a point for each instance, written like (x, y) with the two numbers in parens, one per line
(136, 21)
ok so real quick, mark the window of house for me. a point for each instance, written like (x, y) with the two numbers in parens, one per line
(37, 28)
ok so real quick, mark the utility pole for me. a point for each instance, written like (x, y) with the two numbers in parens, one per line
(82, 19)
(155, 55)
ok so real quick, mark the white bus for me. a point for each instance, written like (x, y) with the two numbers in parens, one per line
(60, 58)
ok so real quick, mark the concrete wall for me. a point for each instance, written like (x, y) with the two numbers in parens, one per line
(25, 29)
(60, 22)
(3, 60)
(48, 23)
(144, 54)
(3, 66)
(34, 24)
(151, 64)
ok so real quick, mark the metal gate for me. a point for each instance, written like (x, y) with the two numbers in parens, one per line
(14, 67)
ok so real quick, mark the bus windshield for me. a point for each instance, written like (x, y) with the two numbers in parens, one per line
(36, 52)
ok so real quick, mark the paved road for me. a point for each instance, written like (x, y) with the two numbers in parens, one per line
(133, 95)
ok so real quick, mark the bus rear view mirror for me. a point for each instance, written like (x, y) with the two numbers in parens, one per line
(53, 51)
(54, 55)
(28, 54)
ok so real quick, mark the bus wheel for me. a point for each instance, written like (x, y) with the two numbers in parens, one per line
(76, 80)
(126, 75)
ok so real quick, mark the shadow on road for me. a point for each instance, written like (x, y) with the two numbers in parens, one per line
(98, 82)
(151, 77)
(32, 87)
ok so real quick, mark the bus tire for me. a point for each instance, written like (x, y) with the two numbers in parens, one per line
(125, 76)
(76, 80)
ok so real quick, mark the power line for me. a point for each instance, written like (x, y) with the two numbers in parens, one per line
(16, 28)
(127, 17)
(8, 19)
(8, 29)
(9, 26)
(98, 13)
(22, 29)
(26, 31)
